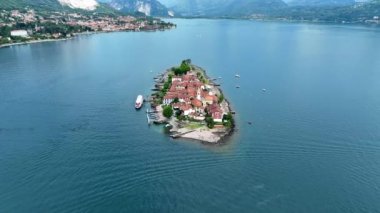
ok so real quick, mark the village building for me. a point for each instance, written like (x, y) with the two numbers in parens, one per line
(19, 33)
(216, 112)
(193, 98)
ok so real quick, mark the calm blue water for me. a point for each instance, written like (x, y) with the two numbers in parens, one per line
(71, 141)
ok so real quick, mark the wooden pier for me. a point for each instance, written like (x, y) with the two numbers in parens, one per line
(147, 116)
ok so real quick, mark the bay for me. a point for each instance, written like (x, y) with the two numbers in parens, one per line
(71, 140)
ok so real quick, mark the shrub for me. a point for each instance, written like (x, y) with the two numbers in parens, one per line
(167, 112)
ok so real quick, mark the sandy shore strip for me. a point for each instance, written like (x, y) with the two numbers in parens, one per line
(34, 42)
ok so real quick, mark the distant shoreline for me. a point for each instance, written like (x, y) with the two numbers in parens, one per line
(34, 42)
(295, 21)
(72, 37)
(48, 40)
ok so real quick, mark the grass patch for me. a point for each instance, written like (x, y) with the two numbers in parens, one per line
(194, 125)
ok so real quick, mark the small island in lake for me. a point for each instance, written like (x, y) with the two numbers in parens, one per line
(191, 104)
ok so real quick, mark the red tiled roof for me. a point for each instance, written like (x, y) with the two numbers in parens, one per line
(185, 107)
(209, 97)
(188, 77)
(212, 108)
(170, 95)
(196, 103)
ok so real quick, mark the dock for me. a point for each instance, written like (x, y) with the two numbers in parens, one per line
(147, 116)
(151, 116)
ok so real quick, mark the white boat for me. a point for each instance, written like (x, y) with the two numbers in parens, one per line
(237, 76)
(139, 102)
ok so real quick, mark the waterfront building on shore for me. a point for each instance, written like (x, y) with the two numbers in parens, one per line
(19, 33)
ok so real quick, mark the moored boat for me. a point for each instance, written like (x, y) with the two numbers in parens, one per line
(139, 102)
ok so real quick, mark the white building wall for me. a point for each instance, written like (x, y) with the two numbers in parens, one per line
(168, 101)
(21, 33)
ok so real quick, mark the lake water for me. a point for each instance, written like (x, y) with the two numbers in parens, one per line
(71, 140)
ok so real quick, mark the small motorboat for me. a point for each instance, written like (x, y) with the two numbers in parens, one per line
(237, 86)
(237, 76)
(264, 90)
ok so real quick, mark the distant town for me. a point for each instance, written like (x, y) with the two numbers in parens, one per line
(28, 25)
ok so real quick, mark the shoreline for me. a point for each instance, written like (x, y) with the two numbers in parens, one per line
(48, 40)
(74, 36)
(280, 20)
(192, 129)
(34, 42)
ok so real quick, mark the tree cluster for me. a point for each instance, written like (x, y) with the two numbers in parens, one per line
(168, 111)
(210, 121)
(228, 120)
(183, 68)
(5, 31)
(220, 98)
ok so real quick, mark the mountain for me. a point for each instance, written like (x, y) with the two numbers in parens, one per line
(360, 12)
(147, 7)
(18, 4)
(58, 5)
(332, 11)
(249, 7)
(199, 7)
(320, 2)
(168, 3)
(226, 8)
(80, 4)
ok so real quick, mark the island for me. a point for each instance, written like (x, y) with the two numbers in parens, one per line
(191, 105)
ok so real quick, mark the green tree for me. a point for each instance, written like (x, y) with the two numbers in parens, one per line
(210, 122)
(168, 111)
(5, 31)
(176, 100)
(183, 68)
(228, 120)
(166, 85)
(220, 98)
